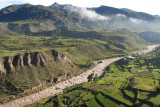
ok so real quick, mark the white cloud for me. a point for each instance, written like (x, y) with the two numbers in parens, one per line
(89, 14)
(134, 20)
(121, 15)
(148, 6)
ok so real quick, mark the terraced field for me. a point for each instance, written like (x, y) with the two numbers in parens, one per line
(81, 51)
(127, 82)
(46, 49)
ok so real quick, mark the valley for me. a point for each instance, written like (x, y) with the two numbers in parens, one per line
(65, 55)
(127, 82)
(97, 71)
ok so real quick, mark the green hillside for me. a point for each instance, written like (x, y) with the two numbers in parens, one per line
(82, 52)
(41, 46)
(128, 82)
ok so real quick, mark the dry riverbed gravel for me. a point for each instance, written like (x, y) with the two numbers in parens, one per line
(98, 70)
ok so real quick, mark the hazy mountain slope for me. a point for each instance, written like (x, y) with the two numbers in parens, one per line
(106, 10)
(72, 15)
(152, 37)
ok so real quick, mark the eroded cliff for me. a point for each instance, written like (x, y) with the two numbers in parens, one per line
(11, 63)
(27, 70)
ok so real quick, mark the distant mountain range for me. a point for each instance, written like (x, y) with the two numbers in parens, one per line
(55, 11)
(41, 20)
(105, 10)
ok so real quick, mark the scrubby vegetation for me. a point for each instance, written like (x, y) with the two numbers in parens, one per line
(127, 82)
(81, 51)
(39, 29)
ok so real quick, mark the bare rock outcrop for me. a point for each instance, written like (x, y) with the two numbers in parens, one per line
(2, 69)
(18, 61)
(59, 87)
(27, 59)
(11, 63)
(8, 64)
(62, 78)
(58, 56)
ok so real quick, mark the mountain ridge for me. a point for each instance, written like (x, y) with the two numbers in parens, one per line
(26, 8)
(28, 33)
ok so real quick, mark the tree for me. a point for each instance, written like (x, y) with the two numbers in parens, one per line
(90, 77)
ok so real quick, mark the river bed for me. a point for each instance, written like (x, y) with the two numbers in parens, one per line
(98, 70)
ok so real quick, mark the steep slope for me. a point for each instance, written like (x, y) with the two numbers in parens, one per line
(40, 20)
(27, 70)
(4, 29)
(106, 10)
(121, 39)
(58, 88)
(24, 12)
(153, 37)
(21, 72)
(126, 82)
(31, 28)
(34, 12)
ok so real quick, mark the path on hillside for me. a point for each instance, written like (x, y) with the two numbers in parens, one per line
(58, 88)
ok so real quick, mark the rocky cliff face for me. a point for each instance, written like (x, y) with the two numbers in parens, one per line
(11, 63)
(26, 71)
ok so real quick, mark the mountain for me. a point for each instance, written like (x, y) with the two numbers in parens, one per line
(24, 12)
(40, 20)
(106, 10)
(153, 37)
(41, 45)
(57, 11)
(31, 12)
(128, 10)
(58, 6)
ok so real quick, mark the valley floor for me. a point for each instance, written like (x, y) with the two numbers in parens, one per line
(58, 88)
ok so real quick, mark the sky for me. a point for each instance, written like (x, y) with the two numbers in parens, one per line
(148, 6)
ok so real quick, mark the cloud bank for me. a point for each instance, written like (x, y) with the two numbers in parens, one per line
(93, 16)
(86, 13)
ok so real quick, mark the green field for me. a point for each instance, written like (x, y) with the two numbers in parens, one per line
(43, 45)
(126, 83)
(82, 53)
(81, 46)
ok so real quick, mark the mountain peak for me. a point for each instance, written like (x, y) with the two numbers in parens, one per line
(55, 4)
(58, 6)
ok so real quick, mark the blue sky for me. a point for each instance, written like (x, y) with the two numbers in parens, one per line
(148, 6)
